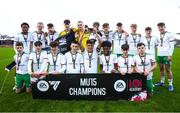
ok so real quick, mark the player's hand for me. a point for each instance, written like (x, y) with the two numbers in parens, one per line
(55, 72)
(123, 73)
(95, 30)
(113, 71)
(44, 74)
(102, 72)
(129, 72)
(169, 58)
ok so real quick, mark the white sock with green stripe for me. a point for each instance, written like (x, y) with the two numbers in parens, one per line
(170, 82)
(162, 79)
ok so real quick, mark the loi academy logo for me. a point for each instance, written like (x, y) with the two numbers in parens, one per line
(43, 86)
(119, 85)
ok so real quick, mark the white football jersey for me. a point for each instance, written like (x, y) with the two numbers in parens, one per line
(144, 63)
(150, 44)
(25, 39)
(36, 61)
(133, 40)
(108, 36)
(118, 40)
(52, 37)
(38, 37)
(125, 64)
(74, 63)
(56, 63)
(108, 62)
(90, 61)
(21, 63)
(165, 44)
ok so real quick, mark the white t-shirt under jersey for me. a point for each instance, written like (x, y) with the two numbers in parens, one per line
(21, 63)
(147, 60)
(79, 63)
(90, 61)
(125, 64)
(112, 59)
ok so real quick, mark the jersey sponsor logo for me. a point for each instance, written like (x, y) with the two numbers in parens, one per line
(119, 85)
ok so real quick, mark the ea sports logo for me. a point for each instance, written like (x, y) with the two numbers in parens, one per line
(119, 85)
(42, 86)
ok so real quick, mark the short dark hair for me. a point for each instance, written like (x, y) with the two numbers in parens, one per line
(106, 44)
(125, 47)
(24, 23)
(105, 25)
(119, 24)
(140, 44)
(91, 41)
(50, 25)
(67, 22)
(75, 42)
(19, 44)
(38, 43)
(53, 44)
(148, 29)
(96, 24)
(161, 24)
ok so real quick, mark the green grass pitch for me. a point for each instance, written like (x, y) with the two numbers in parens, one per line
(162, 101)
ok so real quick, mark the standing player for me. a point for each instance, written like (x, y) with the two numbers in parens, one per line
(125, 62)
(22, 76)
(107, 35)
(119, 38)
(35, 62)
(24, 37)
(164, 53)
(74, 60)
(39, 35)
(90, 55)
(150, 41)
(66, 37)
(82, 35)
(108, 61)
(52, 35)
(145, 64)
(133, 40)
(56, 63)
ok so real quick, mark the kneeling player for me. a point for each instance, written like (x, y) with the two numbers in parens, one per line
(125, 62)
(22, 76)
(74, 60)
(35, 62)
(145, 64)
(108, 61)
(55, 61)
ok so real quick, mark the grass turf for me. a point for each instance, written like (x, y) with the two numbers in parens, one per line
(162, 101)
